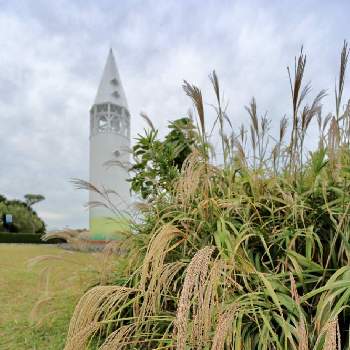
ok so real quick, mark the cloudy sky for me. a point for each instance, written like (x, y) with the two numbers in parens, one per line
(52, 55)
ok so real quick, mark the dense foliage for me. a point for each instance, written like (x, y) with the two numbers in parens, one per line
(158, 162)
(253, 254)
(32, 199)
(25, 219)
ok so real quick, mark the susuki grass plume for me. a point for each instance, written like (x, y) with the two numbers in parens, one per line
(251, 255)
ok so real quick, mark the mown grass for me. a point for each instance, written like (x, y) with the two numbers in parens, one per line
(38, 301)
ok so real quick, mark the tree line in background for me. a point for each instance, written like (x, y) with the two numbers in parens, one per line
(23, 218)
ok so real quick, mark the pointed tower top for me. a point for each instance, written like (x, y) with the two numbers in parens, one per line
(111, 89)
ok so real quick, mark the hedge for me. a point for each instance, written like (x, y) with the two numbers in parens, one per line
(8, 237)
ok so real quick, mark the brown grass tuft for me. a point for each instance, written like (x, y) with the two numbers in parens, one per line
(332, 339)
(303, 340)
(79, 340)
(158, 247)
(223, 326)
(202, 319)
(196, 275)
(196, 176)
(196, 95)
(119, 338)
(97, 302)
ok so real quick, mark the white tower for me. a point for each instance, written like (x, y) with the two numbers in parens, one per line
(109, 141)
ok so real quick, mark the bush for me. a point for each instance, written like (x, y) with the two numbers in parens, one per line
(251, 254)
(25, 219)
(8, 237)
(158, 163)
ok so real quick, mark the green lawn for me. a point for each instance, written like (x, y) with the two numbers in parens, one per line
(57, 282)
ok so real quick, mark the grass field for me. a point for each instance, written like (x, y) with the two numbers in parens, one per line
(36, 302)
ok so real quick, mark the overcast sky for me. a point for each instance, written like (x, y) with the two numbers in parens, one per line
(52, 54)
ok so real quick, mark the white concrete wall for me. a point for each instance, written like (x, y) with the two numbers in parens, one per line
(102, 148)
(109, 132)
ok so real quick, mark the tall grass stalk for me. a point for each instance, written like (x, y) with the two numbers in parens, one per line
(251, 255)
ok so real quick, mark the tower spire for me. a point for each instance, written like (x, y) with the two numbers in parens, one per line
(109, 141)
(110, 89)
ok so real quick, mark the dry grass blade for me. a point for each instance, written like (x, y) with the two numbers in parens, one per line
(105, 194)
(155, 274)
(202, 318)
(157, 249)
(196, 275)
(295, 85)
(223, 326)
(283, 128)
(215, 82)
(119, 338)
(44, 284)
(298, 95)
(159, 284)
(342, 70)
(48, 258)
(70, 236)
(80, 339)
(309, 113)
(331, 336)
(253, 115)
(303, 340)
(148, 120)
(96, 302)
(333, 145)
(193, 171)
(85, 185)
(221, 114)
(196, 95)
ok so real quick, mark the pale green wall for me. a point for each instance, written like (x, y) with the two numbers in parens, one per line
(102, 228)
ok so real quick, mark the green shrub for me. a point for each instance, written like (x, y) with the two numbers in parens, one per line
(251, 254)
(25, 219)
(158, 163)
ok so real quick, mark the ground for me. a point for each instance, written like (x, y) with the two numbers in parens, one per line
(36, 302)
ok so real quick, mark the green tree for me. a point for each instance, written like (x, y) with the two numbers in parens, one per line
(158, 163)
(25, 219)
(32, 199)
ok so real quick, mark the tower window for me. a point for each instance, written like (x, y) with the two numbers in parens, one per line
(102, 124)
(116, 109)
(114, 81)
(116, 94)
(115, 124)
(127, 127)
(102, 107)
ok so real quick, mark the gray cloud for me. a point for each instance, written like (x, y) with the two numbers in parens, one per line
(52, 56)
